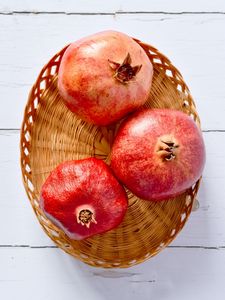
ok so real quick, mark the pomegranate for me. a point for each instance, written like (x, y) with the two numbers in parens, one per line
(83, 198)
(158, 153)
(104, 76)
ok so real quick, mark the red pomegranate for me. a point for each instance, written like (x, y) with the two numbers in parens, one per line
(104, 76)
(83, 198)
(158, 153)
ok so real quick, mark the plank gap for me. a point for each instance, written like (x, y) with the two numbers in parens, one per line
(110, 13)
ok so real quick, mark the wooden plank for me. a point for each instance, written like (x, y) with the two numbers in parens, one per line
(115, 6)
(16, 215)
(197, 49)
(50, 274)
(205, 227)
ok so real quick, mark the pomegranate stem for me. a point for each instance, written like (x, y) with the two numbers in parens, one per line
(167, 149)
(124, 72)
(85, 217)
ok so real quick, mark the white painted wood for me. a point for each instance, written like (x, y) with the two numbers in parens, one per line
(193, 266)
(18, 224)
(99, 6)
(195, 44)
(186, 274)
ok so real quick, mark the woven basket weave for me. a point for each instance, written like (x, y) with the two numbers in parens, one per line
(51, 134)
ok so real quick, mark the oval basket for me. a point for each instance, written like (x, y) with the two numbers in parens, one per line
(51, 134)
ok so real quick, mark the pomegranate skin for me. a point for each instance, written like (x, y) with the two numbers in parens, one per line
(83, 198)
(87, 82)
(158, 153)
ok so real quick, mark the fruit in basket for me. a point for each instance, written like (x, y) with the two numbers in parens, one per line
(104, 76)
(158, 153)
(83, 198)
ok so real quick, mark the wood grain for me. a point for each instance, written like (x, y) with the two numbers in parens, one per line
(98, 6)
(174, 274)
(196, 49)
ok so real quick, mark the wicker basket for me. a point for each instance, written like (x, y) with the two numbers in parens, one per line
(52, 134)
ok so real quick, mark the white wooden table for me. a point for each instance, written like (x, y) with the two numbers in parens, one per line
(192, 35)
